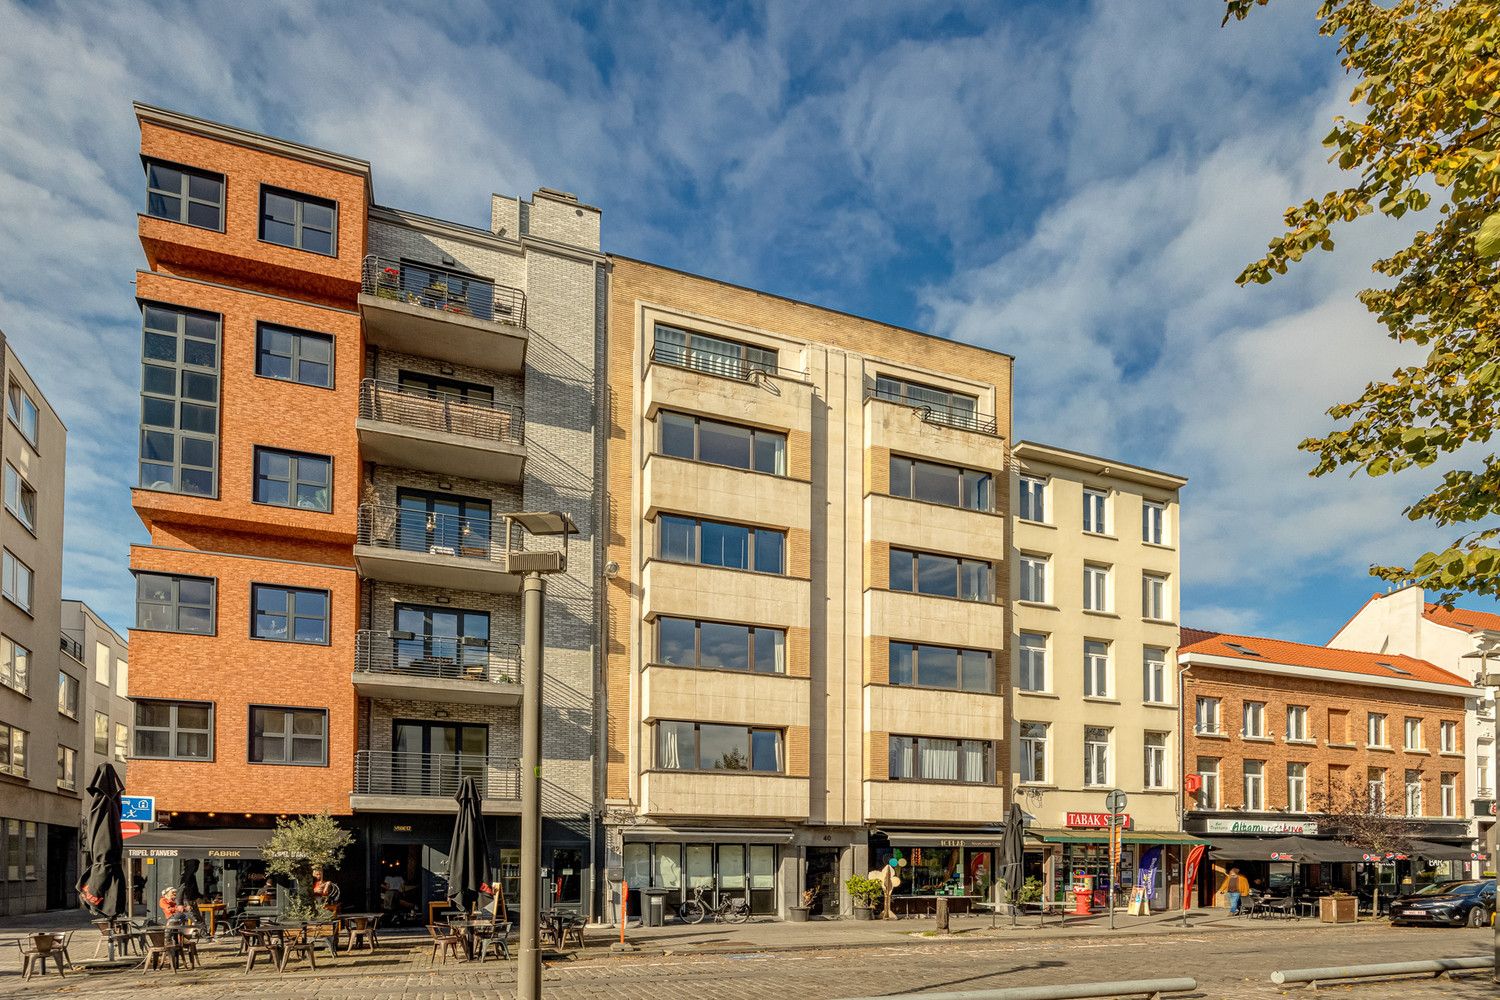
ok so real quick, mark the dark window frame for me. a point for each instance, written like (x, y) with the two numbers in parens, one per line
(750, 643)
(697, 431)
(896, 739)
(290, 615)
(173, 729)
(293, 482)
(63, 708)
(287, 736)
(301, 200)
(697, 544)
(175, 603)
(294, 359)
(988, 597)
(9, 767)
(179, 370)
(183, 193)
(697, 749)
(914, 648)
(986, 483)
(713, 355)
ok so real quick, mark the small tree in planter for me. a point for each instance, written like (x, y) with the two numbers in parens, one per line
(866, 893)
(297, 847)
(799, 913)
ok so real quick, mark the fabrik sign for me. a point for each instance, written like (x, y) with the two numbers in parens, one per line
(1299, 827)
(1095, 821)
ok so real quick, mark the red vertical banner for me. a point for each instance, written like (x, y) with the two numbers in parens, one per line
(1190, 874)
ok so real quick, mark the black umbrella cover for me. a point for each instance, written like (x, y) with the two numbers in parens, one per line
(1013, 850)
(187, 888)
(468, 853)
(102, 887)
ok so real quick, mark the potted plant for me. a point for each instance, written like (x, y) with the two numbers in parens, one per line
(867, 895)
(1031, 891)
(1338, 908)
(387, 283)
(798, 914)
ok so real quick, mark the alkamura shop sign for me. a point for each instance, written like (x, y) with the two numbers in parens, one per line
(1305, 828)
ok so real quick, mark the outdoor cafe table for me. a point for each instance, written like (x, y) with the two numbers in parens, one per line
(344, 920)
(213, 910)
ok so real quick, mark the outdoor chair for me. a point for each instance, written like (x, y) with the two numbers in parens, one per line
(299, 944)
(243, 924)
(187, 946)
(571, 926)
(445, 940)
(159, 947)
(1278, 907)
(105, 928)
(325, 936)
(36, 950)
(256, 942)
(362, 931)
(494, 938)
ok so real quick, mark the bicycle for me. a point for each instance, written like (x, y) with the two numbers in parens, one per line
(731, 910)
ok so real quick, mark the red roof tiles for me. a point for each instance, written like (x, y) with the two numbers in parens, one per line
(1319, 657)
(1460, 618)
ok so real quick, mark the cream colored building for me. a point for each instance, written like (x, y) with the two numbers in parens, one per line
(806, 622)
(1095, 573)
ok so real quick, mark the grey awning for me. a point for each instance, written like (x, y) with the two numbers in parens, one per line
(707, 835)
(217, 843)
(987, 837)
(1433, 851)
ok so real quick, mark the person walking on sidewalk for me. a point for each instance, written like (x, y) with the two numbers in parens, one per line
(1235, 886)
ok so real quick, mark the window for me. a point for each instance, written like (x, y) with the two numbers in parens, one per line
(1208, 791)
(288, 736)
(101, 734)
(179, 400)
(703, 746)
(166, 603)
(1448, 794)
(941, 405)
(1296, 787)
(1033, 499)
(942, 667)
(1254, 720)
(922, 758)
(122, 742)
(292, 479)
(1375, 788)
(1034, 579)
(684, 642)
(716, 543)
(1448, 736)
(1413, 793)
(1296, 722)
(301, 221)
(1033, 661)
(182, 194)
(1207, 717)
(101, 664)
(1095, 587)
(944, 484)
(1154, 597)
(1375, 730)
(1095, 505)
(15, 665)
(1255, 785)
(294, 355)
(174, 730)
(701, 440)
(1156, 760)
(1095, 668)
(22, 410)
(715, 355)
(1413, 734)
(67, 694)
(12, 750)
(1483, 774)
(941, 576)
(1034, 751)
(1154, 522)
(289, 614)
(122, 678)
(1095, 755)
(20, 498)
(1154, 676)
(67, 768)
(17, 581)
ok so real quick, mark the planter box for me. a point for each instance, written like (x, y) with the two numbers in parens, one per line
(797, 914)
(863, 913)
(1338, 909)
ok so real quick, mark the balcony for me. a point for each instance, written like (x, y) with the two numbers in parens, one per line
(465, 671)
(729, 387)
(681, 486)
(408, 428)
(940, 433)
(72, 647)
(938, 413)
(435, 313)
(402, 545)
(386, 781)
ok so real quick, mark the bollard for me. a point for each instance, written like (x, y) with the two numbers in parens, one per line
(942, 915)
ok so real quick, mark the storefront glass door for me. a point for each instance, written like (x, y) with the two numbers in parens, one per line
(698, 870)
(762, 878)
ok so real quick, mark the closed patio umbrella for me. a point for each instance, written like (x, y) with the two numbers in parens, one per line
(468, 854)
(102, 887)
(1013, 855)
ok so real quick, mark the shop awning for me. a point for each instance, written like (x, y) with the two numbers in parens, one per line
(1434, 851)
(1299, 849)
(218, 843)
(1102, 837)
(988, 837)
(707, 835)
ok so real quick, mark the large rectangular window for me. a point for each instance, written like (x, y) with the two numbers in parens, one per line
(942, 667)
(13, 750)
(1413, 793)
(1154, 522)
(941, 576)
(1033, 661)
(294, 355)
(15, 665)
(1207, 719)
(1096, 587)
(17, 581)
(1154, 597)
(300, 221)
(289, 614)
(1255, 785)
(1296, 723)
(101, 734)
(1375, 730)
(174, 730)
(715, 355)
(686, 642)
(293, 479)
(1033, 751)
(704, 746)
(1448, 736)
(1095, 668)
(20, 498)
(1448, 793)
(22, 411)
(1375, 788)
(179, 400)
(1034, 579)
(1253, 719)
(949, 485)
(717, 543)
(67, 768)
(1208, 791)
(1296, 787)
(1033, 499)
(67, 694)
(922, 758)
(1156, 760)
(165, 603)
(1096, 756)
(183, 194)
(288, 736)
(1155, 690)
(1095, 511)
(945, 406)
(1413, 731)
(699, 439)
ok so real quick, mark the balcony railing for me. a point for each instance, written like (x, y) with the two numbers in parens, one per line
(440, 657)
(938, 413)
(725, 364)
(434, 775)
(72, 647)
(434, 287)
(395, 403)
(408, 530)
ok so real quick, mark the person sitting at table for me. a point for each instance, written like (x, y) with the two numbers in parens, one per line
(173, 914)
(326, 891)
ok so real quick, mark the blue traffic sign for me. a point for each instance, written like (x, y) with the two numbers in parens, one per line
(138, 808)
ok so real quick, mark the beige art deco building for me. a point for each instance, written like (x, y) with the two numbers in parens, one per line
(1094, 689)
(806, 600)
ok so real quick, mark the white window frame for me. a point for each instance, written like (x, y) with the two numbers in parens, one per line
(1375, 730)
(20, 498)
(1095, 511)
(1032, 499)
(1034, 578)
(1253, 720)
(1412, 797)
(1209, 792)
(1448, 794)
(1154, 597)
(1375, 787)
(1155, 759)
(1096, 668)
(1154, 528)
(1296, 787)
(1096, 757)
(17, 581)
(1206, 716)
(1033, 667)
(1448, 736)
(1254, 781)
(1030, 744)
(1296, 723)
(1096, 587)
(1412, 733)
(1154, 687)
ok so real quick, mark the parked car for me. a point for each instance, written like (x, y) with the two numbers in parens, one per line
(1461, 903)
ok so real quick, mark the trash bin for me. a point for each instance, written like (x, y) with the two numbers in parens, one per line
(655, 909)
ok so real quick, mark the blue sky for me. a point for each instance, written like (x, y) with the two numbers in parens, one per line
(1074, 183)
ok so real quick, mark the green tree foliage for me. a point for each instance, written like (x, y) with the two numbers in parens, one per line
(297, 847)
(1424, 129)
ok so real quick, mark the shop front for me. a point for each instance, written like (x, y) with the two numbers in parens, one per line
(719, 862)
(1078, 856)
(959, 866)
(227, 865)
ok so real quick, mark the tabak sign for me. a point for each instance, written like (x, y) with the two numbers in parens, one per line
(1096, 821)
(1304, 828)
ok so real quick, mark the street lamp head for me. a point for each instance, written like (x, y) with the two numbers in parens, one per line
(553, 522)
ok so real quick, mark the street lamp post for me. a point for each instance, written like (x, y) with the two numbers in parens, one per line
(1488, 647)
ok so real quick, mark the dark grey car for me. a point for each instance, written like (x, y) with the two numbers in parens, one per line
(1461, 903)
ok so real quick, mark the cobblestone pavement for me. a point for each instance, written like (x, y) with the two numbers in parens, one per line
(1227, 965)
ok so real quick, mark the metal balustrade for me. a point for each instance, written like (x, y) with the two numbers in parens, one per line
(937, 413)
(722, 363)
(72, 647)
(415, 530)
(434, 775)
(435, 287)
(440, 657)
(392, 402)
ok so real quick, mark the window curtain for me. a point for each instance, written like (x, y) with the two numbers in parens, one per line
(671, 345)
(711, 355)
(939, 760)
(972, 757)
(670, 752)
(780, 648)
(901, 758)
